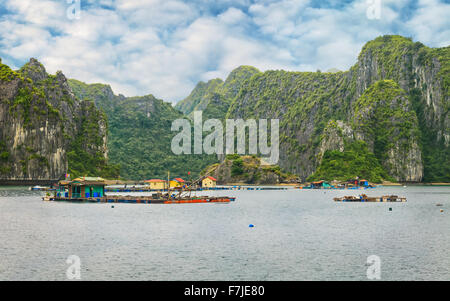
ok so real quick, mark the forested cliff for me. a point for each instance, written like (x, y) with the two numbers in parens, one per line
(386, 118)
(393, 104)
(45, 130)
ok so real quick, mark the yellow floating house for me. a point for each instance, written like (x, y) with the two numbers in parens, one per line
(156, 184)
(208, 182)
(177, 182)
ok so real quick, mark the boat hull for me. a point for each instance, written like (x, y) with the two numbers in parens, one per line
(142, 200)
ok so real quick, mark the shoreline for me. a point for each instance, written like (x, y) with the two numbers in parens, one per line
(29, 182)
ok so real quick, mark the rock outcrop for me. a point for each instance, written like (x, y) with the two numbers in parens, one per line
(416, 118)
(248, 170)
(40, 121)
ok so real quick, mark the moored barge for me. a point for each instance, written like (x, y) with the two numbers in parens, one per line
(92, 190)
(365, 198)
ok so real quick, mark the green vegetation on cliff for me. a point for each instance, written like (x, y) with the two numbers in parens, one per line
(84, 156)
(435, 154)
(390, 52)
(215, 97)
(247, 169)
(6, 73)
(355, 161)
(45, 128)
(425, 75)
(373, 97)
(395, 99)
(102, 95)
(385, 116)
(140, 140)
(199, 97)
(140, 136)
(5, 166)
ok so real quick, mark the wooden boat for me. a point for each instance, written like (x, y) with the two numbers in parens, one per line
(143, 200)
(365, 198)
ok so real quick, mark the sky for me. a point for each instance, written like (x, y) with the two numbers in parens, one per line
(165, 47)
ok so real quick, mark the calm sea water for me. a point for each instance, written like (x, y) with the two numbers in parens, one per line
(298, 235)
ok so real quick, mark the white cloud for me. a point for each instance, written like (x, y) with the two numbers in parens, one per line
(431, 23)
(232, 16)
(164, 47)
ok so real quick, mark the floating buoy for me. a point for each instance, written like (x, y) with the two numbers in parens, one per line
(112, 206)
(251, 226)
(390, 209)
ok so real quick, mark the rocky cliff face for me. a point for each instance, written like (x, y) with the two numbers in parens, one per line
(414, 67)
(40, 120)
(385, 119)
(392, 104)
(395, 99)
(215, 96)
(424, 73)
(390, 108)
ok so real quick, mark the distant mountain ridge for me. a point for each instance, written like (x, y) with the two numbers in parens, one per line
(395, 99)
(388, 67)
(386, 118)
(140, 134)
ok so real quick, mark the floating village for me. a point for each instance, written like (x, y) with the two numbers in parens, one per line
(179, 191)
(92, 189)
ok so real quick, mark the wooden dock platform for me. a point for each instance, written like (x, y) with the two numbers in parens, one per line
(142, 200)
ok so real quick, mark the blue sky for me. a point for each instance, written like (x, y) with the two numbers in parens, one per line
(164, 47)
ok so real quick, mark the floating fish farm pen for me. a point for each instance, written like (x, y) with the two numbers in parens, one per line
(365, 198)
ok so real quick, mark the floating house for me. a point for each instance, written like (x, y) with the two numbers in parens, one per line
(208, 182)
(320, 184)
(177, 182)
(156, 184)
(358, 183)
(85, 187)
(364, 183)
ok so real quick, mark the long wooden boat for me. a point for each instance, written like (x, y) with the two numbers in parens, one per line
(142, 199)
(365, 198)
